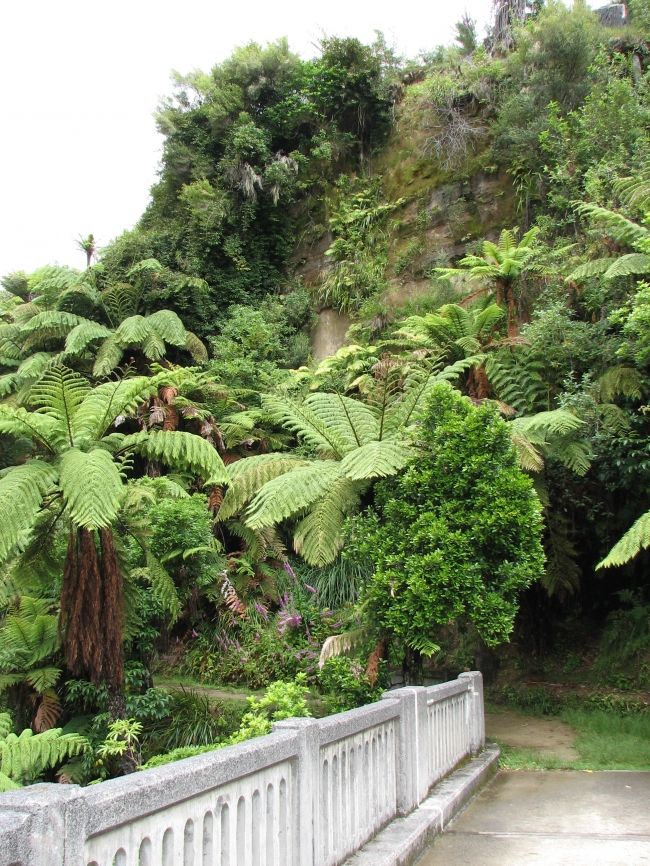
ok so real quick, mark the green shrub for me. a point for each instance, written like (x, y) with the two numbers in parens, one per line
(346, 686)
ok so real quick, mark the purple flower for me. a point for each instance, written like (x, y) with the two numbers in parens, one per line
(311, 588)
(263, 612)
(288, 569)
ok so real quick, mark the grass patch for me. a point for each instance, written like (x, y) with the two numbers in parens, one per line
(604, 741)
(607, 741)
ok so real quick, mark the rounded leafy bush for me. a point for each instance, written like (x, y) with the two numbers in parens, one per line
(457, 535)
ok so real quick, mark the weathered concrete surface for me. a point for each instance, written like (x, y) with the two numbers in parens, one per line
(548, 736)
(563, 818)
(403, 839)
(329, 333)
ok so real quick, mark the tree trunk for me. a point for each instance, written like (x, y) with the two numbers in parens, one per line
(91, 609)
(513, 322)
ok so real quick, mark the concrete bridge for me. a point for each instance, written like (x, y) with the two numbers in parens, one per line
(369, 786)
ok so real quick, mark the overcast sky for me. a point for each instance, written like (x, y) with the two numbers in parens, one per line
(80, 81)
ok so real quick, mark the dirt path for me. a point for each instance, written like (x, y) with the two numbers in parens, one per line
(548, 736)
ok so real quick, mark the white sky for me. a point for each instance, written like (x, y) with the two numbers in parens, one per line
(80, 81)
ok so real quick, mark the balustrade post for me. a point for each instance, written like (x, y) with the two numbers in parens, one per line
(476, 709)
(305, 834)
(33, 825)
(413, 751)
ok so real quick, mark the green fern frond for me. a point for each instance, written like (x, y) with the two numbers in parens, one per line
(292, 492)
(163, 587)
(25, 757)
(59, 394)
(196, 348)
(318, 536)
(376, 460)
(632, 264)
(108, 357)
(22, 490)
(528, 455)
(42, 679)
(92, 487)
(349, 420)
(623, 230)
(41, 429)
(248, 476)
(635, 191)
(177, 448)
(619, 381)
(636, 539)
(305, 424)
(594, 268)
(81, 336)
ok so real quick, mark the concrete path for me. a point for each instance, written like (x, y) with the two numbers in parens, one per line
(551, 818)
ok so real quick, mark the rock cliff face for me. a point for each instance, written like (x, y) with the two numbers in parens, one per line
(443, 210)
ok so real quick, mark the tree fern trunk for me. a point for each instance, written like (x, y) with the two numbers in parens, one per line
(91, 609)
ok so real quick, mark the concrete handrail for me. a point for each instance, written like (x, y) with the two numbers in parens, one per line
(309, 794)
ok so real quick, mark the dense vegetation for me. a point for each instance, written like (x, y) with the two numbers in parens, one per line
(185, 490)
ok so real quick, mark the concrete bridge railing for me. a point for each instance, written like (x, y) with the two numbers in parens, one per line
(309, 794)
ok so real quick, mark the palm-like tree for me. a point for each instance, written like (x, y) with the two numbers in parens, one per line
(500, 265)
(347, 444)
(458, 333)
(74, 474)
(69, 321)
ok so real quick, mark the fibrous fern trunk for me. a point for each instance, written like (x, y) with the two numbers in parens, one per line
(91, 608)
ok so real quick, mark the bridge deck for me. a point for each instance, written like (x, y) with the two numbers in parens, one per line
(557, 817)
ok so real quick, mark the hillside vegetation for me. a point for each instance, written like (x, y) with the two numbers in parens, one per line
(185, 489)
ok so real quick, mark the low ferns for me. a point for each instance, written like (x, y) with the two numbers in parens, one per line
(25, 757)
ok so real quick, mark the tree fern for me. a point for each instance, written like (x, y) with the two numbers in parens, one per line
(636, 539)
(318, 536)
(292, 492)
(248, 476)
(177, 448)
(378, 459)
(22, 490)
(306, 425)
(92, 486)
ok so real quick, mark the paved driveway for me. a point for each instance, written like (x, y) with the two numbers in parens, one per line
(551, 818)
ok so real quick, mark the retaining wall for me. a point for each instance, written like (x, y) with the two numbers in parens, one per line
(309, 794)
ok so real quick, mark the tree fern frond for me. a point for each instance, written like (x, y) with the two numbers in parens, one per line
(594, 268)
(636, 539)
(169, 327)
(92, 487)
(178, 448)
(623, 230)
(249, 475)
(635, 191)
(528, 455)
(23, 758)
(341, 644)
(350, 421)
(318, 536)
(196, 348)
(22, 490)
(628, 265)
(163, 586)
(59, 394)
(376, 460)
(305, 424)
(82, 335)
(41, 429)
(108, 357)
(292, 492)
(619, 381)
